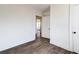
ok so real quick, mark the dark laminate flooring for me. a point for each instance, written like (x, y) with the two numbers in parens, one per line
(39, 46)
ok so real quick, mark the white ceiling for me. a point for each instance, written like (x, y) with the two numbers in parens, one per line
(40, 7)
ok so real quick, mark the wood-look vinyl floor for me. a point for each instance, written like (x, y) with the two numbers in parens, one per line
(39, 46)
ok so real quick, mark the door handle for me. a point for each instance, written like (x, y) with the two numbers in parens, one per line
(74, 32)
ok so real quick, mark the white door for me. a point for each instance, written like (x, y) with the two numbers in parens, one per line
(46, 26)
(74, 15)
(59, 25)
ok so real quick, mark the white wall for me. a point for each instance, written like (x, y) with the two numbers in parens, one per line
(59, 26)
(17, 25)
(46, 26)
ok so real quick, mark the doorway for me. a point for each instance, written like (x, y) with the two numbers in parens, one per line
(38, 26)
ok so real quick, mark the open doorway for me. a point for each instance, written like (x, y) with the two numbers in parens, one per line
(38, 26)
(43, 25)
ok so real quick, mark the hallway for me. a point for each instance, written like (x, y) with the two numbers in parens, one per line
(39, 46)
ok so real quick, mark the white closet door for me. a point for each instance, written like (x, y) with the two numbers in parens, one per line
(59, 26)
(74, 15)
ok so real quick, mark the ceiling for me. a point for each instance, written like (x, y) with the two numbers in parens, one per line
(40, 7)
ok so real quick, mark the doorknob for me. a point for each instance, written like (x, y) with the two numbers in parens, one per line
(74, 32)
